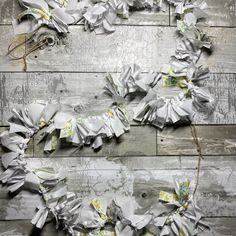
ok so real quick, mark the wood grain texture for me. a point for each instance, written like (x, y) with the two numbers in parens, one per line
(6, 38)
(82, 51)
(25, 228)
(128, 166)
(220, 13)
(147, 17)
(71, 91)
(222, 88)
(214, 140)
(93, 177)
(149, 46)
(9, 9)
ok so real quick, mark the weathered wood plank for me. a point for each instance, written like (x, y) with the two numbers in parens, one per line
(9, 9)
(147, 17)
(216, 192)
(139, 141)
(149, 46)
(214, 140)
(219, 227)
(222, 88)
(71, 89)
(220, 13)
(132, 163)
(13, 93)
(6, 38)
(25, 228)
(81, 92)
(153, 47)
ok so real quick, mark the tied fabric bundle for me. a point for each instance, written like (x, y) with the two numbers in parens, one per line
(101, 15)
(159, 110)
(89, 131)
(97, 15)
(79, 217)
(189, 13)
(50, 13)
(130, 81)
(61, 125)
(182, 72)
(114, 217)
(186, 219)
(99, 216)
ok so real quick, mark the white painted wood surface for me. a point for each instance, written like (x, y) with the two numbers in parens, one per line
(145, 160)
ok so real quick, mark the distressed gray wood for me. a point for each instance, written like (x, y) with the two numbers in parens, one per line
(13, 93)
(149, 46)
(153, 47)
(147, 17)
(6, 37)
(222, 88)
(9, 10)
(19, 89)
(215, 193)
(71, 90)
(220, 13)
(138, 141)
(214, 140)
(125, 171)
(23, 206)
(25, 228)
(219, 226)
(132, 163)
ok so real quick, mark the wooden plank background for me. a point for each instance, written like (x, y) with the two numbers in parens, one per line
(145, 160)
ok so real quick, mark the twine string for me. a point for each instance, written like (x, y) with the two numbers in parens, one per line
(37, 45)
(200, 157)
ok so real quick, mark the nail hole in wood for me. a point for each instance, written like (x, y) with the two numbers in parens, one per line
(143, 195)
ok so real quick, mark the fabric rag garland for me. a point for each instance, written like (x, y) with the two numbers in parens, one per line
(116, 216)
(61, 125)
(158, 110)
(59, 14)
(182, 71)
(100, 15)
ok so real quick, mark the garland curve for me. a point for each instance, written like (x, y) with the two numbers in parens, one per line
(116, 216)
